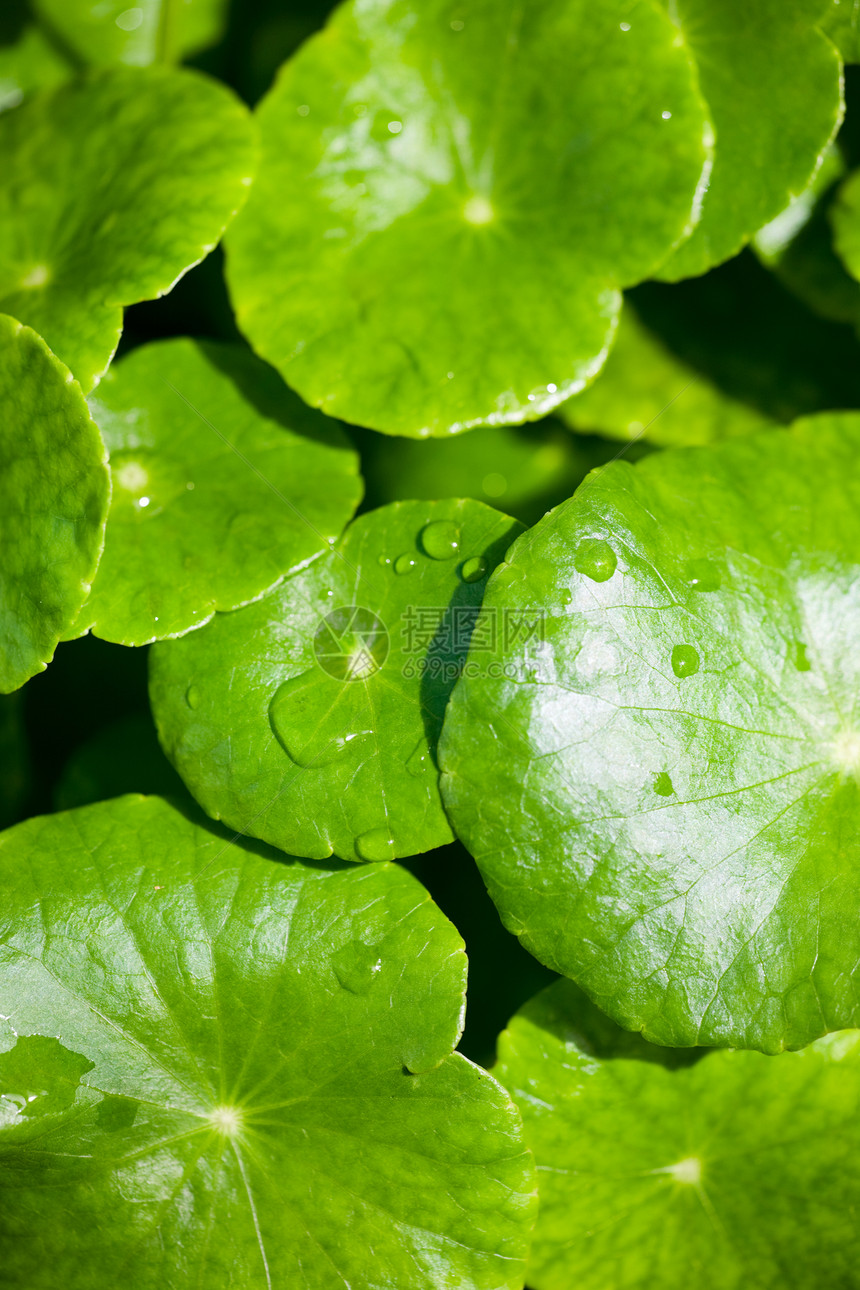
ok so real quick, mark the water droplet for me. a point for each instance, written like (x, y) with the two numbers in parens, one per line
(405, 564)
(685, 660)
(595, 559)
(441, 539)
(376, 844)
(663, 786)
(419, 761)
(625, 26)
(357, 966)
(457, 24)
(702, 575)
(385, 561)
(192, 696)
(667, 116)
(309, 723)
(474, 569)
(801, 662)
(303, 109)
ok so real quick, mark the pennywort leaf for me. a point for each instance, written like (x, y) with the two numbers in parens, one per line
(644, 391)
(147, 32)
(54, 495)
(770, 139)
(223, 481)
(115, 186)
(451, 204)
(734, 1170)
(310, 718)
(841, 22)
(214, 1065)
(661, 784)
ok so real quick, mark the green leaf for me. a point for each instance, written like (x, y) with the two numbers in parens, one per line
(645, 392)
(451, 204)
(223, 481)
(773, 85)
(219, 1051)
(150, 31)
(527, 469)
(29, 63)
(842, 25)
(54, 494)
(310, 718)
(662, 790)
(115, 186)
(738, 1170)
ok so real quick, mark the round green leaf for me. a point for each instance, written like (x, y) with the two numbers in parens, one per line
(310, 718)
(842, 24)
(115, 185)
(151, 31)
(223, 481)
(207, 1076)
(662, 791)
(54, 494)
(738, 1170)
(645, 392)
(450, 204)
(773, 85)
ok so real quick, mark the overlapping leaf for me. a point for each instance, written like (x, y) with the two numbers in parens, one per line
(310, 718)
(727, 1172)
(451, 202)
(772, 82)
(150, 31)
(662, 786)
(54, 496)
(223, 481)
(214, 1066)
(645, 392)
(114, 186)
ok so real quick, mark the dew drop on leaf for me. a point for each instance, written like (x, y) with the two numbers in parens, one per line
(685, 660)
(474, 569)
(405, 563)
(307, 725)
(441, 539)
(801, 662)
(663, 785)
(357, 966)
(419, 761)
(595, 559)
(192, 696)
(376, 844)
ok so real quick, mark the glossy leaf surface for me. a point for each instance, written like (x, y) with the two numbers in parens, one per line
(223, 481)
(736, 1170)
(451, 204)
(112, 31)
(772, 82)
(115, 185)
(54, 495)
(216, 1064)
(663, 790)
(310, 718)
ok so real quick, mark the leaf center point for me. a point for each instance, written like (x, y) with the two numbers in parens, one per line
(687, 1171)
(227, 1120)
(478, 210)
(845, 751)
